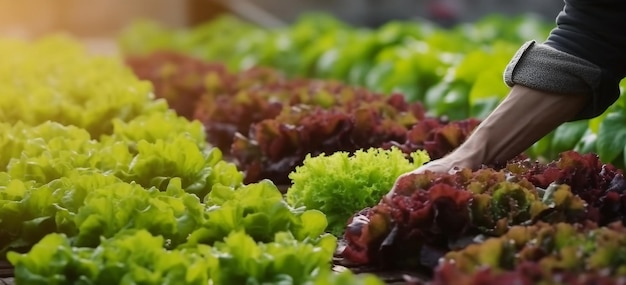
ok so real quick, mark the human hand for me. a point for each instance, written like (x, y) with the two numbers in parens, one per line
(523, 117)
(442, 165)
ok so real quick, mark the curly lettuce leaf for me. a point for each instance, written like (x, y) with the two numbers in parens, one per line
(20, 140)
(540, 253)
(430, 213)
(173, 214)
(157, 163)
(341, 184)
(152, 127)
(132, 257)
(241, 260)
(258, 209)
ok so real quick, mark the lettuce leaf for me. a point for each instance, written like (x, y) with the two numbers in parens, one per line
(138, 257)
(540, 253)
(173, 214)
(259, 210)
(132, 257)
(341, 184)
(152, 127)
(430, 214)
(284, 261)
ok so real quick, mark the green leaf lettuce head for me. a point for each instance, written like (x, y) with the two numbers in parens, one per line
(157, 162)
(151, 127)
(21, 141)
(110, 209)
(283, 261)
(131, 257)
(87, 207)
(138, 151)
(341, 184)
(258, 209)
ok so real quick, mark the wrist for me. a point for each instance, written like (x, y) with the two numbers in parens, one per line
(520, 120)
(468, 155)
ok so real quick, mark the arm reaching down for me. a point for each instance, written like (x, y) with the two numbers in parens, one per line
(574, 75)
(520, 120)
(523, 117)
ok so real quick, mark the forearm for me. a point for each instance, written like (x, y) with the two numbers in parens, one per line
(574, 75)
(522, 118)
(525, 116)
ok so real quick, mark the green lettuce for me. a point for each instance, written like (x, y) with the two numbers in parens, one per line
(152, 127)
(157, 163)
(22, 141)
(132, 257)
(258, 209)
(87, 207)
(108, 210)
(54, 79)
(241, 260)
(148, 156)
(138, 257)
(341, 184)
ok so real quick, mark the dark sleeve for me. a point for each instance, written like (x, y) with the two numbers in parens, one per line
(585, 54)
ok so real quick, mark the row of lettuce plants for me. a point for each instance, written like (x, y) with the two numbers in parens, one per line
(102, 183)
(454, 72)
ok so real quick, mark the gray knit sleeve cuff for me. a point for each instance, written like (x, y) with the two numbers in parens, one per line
(542, 67)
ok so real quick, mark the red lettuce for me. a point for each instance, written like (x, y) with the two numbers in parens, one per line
(269, 122)
(541, 254)
(178, 78)
(224, 101)
(431, 214)
(436, 136)
(274, 147)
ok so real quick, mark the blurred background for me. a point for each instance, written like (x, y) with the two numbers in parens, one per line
(105, 18)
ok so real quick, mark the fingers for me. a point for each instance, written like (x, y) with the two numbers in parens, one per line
(438, 166)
